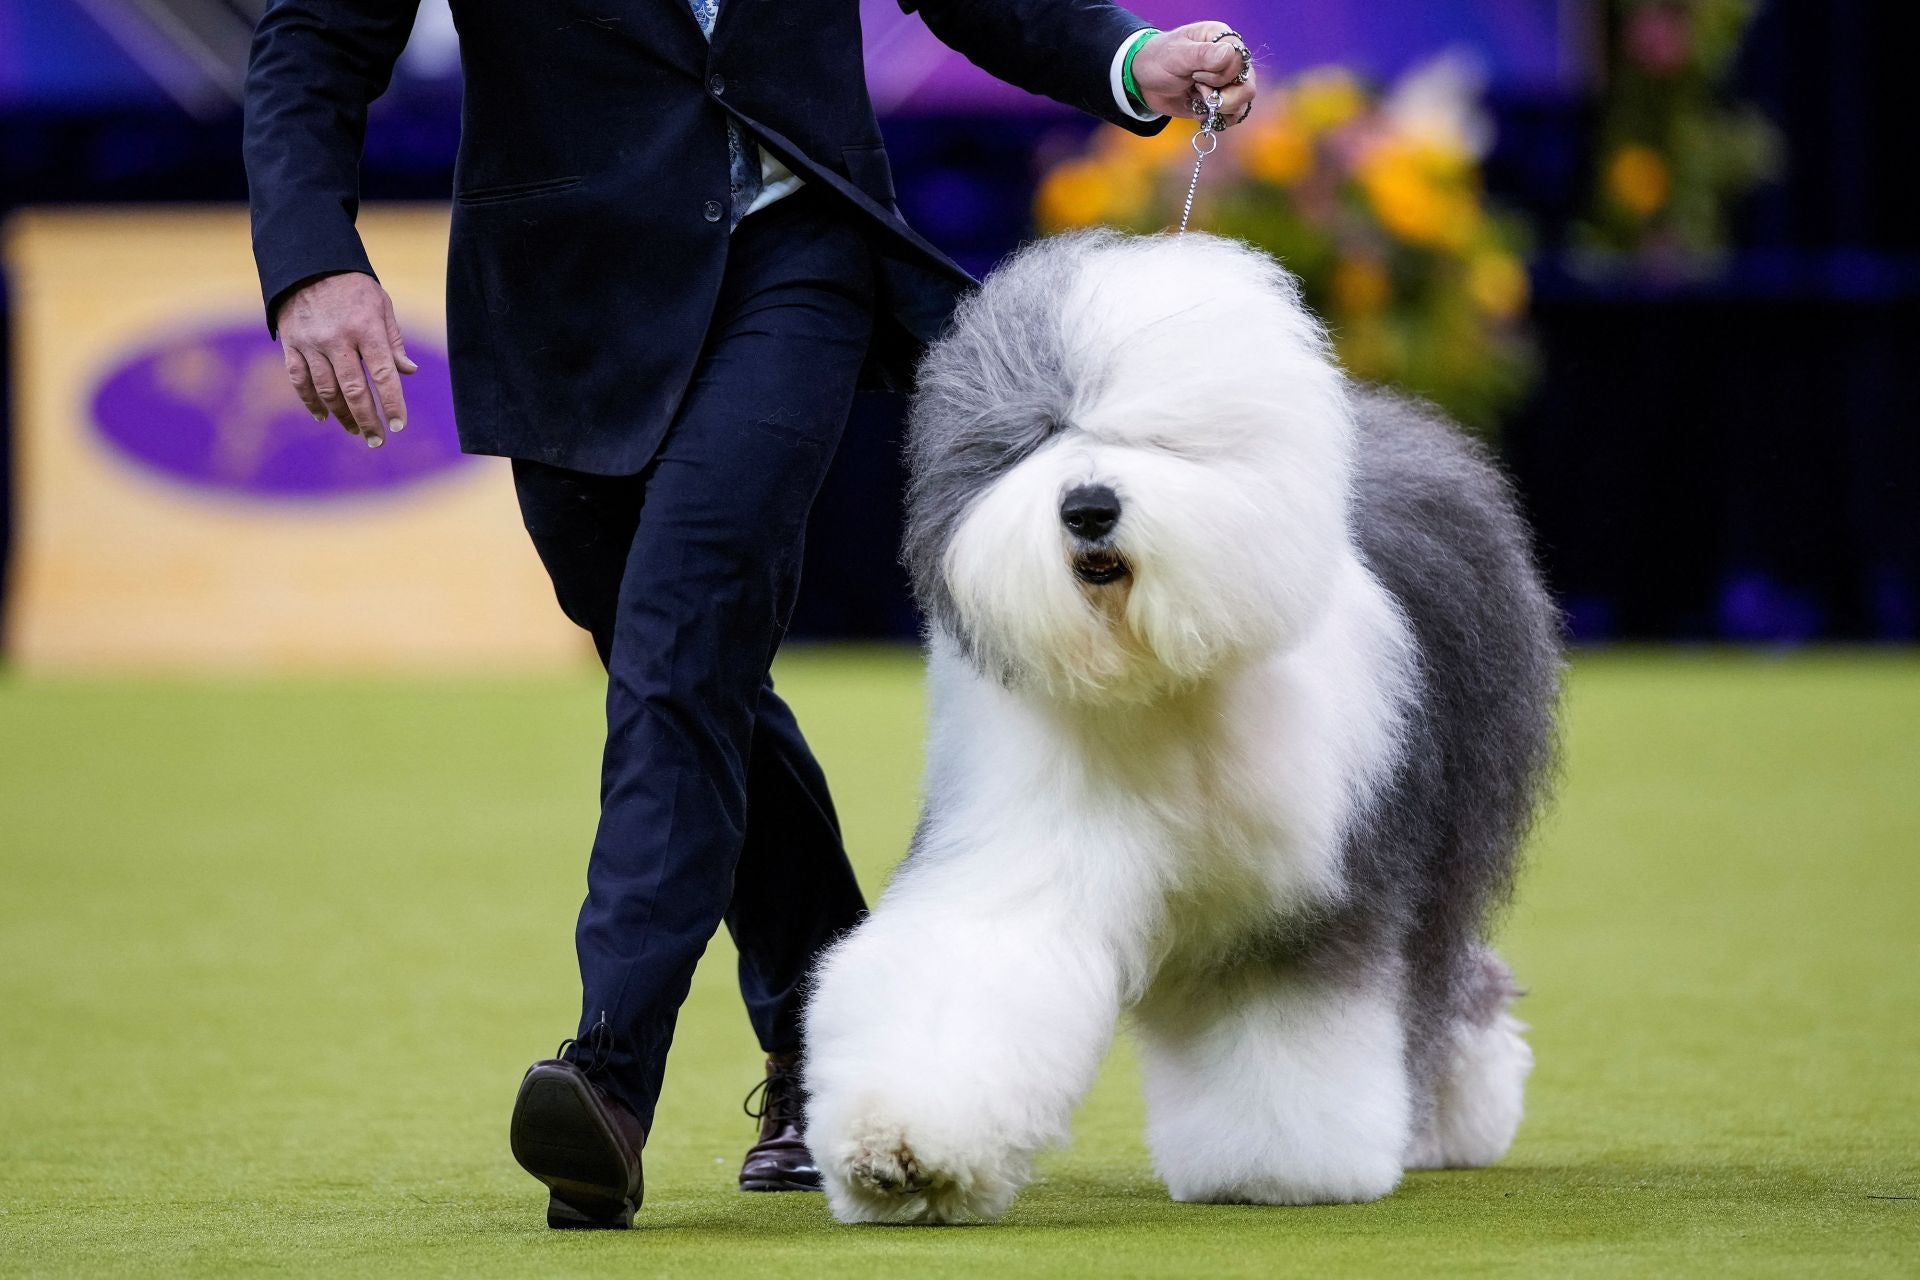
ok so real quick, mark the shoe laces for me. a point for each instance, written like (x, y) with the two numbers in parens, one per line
(598, 1043)
(772, 1096)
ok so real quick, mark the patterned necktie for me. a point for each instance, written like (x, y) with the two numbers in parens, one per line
(743, 157)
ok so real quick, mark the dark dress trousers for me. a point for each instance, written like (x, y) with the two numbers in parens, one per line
(711, 802)
(671, 394)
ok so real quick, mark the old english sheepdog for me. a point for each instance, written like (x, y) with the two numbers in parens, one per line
(1242, 688)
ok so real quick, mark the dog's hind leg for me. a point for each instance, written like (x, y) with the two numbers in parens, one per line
(1479, 1071)
(948, 1042)
(1276, 1086)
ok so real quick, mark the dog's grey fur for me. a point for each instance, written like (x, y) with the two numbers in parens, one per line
(1438, 524)
(988, 394)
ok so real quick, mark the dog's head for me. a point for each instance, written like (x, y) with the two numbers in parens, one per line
(1130, 466)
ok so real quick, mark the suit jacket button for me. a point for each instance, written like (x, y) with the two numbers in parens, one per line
(717, 83)
(713, 211)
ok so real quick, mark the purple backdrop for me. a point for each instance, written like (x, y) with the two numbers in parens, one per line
(210, 408)
(1522, 42)
(58, 52)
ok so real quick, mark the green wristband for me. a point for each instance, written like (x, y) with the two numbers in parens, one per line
(1127, 81)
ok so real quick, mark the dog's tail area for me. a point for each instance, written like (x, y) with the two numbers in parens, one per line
(1479, 1070)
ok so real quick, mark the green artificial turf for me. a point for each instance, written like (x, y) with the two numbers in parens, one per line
(273, 956)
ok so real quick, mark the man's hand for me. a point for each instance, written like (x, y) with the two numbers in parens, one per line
(1177, 68)
(345, 353)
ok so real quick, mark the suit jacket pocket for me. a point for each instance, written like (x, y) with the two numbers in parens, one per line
(515, 190)
(869, 170)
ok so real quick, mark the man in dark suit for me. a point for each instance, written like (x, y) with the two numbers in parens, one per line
(675, 250)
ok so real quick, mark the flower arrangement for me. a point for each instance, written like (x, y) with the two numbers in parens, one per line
(1674, 156)
(1374, 200)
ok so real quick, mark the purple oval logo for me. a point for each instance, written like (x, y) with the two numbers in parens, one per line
(215, 409)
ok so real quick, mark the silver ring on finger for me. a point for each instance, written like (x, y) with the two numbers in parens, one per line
(1239, 47)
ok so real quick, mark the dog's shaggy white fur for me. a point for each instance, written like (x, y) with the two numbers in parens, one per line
(1242, 685)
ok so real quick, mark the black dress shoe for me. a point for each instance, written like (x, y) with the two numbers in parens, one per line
(779, 1161)
(581, 1143)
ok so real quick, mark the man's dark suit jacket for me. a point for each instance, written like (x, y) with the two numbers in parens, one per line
(591, 203)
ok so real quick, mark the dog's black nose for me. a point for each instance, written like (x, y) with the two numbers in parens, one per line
(1090, 511)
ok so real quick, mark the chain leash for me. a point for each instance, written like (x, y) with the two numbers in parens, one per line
(1204, 143)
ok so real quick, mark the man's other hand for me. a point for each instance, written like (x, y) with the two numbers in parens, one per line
(345, 354)
(1175, 67)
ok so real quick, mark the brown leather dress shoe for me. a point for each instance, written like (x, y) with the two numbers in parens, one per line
(581, 1143)
(779, 1161)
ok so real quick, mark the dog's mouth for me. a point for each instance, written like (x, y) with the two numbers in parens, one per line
(1099, 568)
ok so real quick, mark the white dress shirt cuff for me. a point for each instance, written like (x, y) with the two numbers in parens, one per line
(1119, 81)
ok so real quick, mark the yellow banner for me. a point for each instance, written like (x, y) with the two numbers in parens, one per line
(177, 508)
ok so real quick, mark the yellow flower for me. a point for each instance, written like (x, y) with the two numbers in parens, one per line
(1279, 151)
(1327, 98)
(1423, 193)
(1638, 180)
(1498, 285)
(1443, 158)
(1406, 203)
(1418, 206)
(1078, 193)
(1361, 287)
(1431, 158)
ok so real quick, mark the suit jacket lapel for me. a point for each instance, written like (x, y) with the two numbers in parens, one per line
(682, 13)
(731, 13)
(667, 28)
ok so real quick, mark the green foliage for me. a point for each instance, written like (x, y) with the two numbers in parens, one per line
(1675, 155)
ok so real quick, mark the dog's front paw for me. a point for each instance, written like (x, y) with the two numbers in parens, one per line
(879, 1173)
(891, 1169)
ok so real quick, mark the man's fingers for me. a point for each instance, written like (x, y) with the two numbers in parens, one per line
(1216, 65)
(1234, 103)
(382, 367)
(401, 359)
(302, 378)
(1205, 53)
(342, 326)
(326, 385)
(358, 394)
